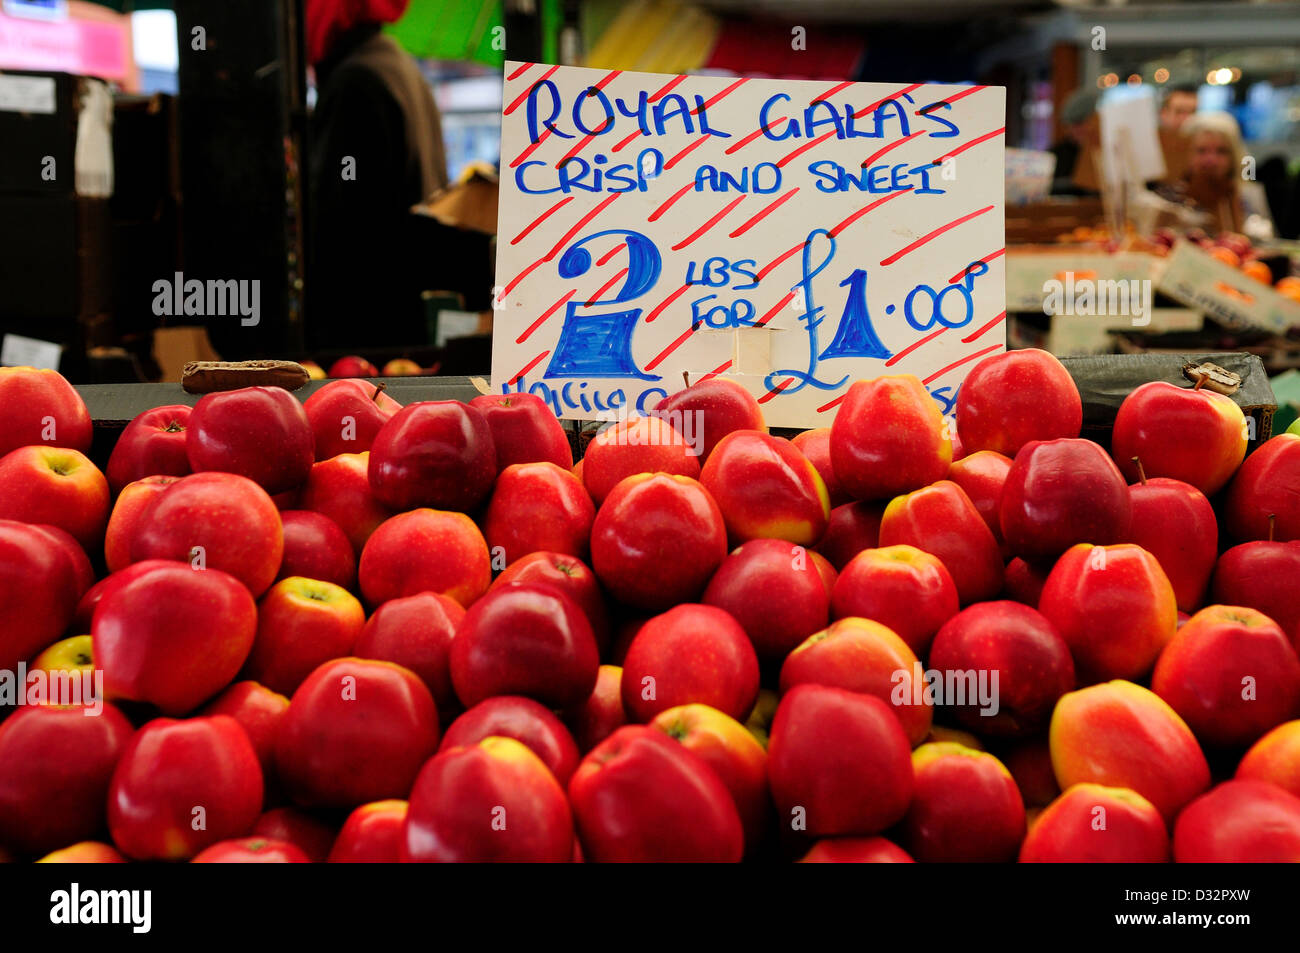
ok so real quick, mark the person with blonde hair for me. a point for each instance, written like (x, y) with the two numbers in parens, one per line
(1218, 182)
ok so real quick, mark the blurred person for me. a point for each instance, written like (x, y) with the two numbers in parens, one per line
(1076, 172)
(1213, 182)
(1178, 106)
(376, 149)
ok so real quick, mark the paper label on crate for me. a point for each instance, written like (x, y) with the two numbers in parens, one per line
(19, 351)
(795, 236)
(28, 94)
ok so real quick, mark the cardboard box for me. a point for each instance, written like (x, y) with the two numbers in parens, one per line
(1197, 279)
(1029, 268)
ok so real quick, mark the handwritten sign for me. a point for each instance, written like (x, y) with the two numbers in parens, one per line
(793, 236)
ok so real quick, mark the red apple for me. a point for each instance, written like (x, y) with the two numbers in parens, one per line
(636, 445)
(315, 548)
(257, 432)
(1030, 763)
(55, 766)
(859, 655)
(815, 445)
(1264, 498)
(372, 834)
(56, 486)
(259, 712)
(838, 762)
(1027, 662)
(340, 489)
(981, 476)
(851, 528)
(435, 453)
(353, 366)
(1175, 523)
(1261, 576)
(181, 786)
(712, 409)
(900, 587)
(84, 852)
(214, 521)
(38, 589)
(1249, 822)
(93, 596)
(416, 632)
(657, 540)
(1275, 758)
(856, 850)
(401, 367)
(965, 807)
(641, 797)
(314, 371)
(941, 520)
(1122, 735)
(39, 406)
(82, 571)
(1092, 823)
(1024, 580)
(526, 721)
(356, 731)
(131, 503)
(889, 438)
(524, 430)
(773, 589)
(301, 624)
(292, 826)
(733, 753)
(425, 550)
(1196, 436)
(539, 507)
(346, 415)
(766, 489)
(1062, 492)
(572, 577)
(602, 713)
(251, 850)
(173, 637)
(1011, 399)
(491, 802)
(1114, 607)
(72, 655)
(1231, 673)
(524, 639)
(153, 444)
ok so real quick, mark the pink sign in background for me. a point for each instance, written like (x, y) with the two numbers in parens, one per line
(81, 47)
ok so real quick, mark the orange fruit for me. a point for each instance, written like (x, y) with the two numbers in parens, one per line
(1287, 283)
(1225, 255)
(1259, 271)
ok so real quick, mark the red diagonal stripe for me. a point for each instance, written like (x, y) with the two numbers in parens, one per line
(763, 214)
(974, 142)
(834, 403)
(654, 216)
(605, 287)
(953, 98)
(811, 143)
(992, 324)
(622, 142)
(865, 209)
(541, 218)
(521, 276)
(694, 145)
(986, 259)
(665, 303)
(581, 144)
(912, 347)
(531, 86)
(580, 224)
(709, 102)
(709, 224)
(893, 145)
(545, 314)
(670, 348)
(605, 82)
(529, 366)
(523, 156)
(772, 313)
(715, 372)
(666, 88)
(776, 390)
(965, 360)
(521, 71)
(934, 234)
(611, 253)
(880, 102)
(831, 92)
(743, 142)
(763, 273)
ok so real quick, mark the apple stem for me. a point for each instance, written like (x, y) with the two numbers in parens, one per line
(1272, 519)
(1142, 476)
(379, 389)
(686, 377)
(1200, 382)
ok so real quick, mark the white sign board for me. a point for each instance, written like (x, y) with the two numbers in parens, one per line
(793, 236)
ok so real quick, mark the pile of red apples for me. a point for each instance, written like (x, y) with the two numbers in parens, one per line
(348, 630)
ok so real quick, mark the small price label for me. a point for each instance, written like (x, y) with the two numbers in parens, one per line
(18, 351)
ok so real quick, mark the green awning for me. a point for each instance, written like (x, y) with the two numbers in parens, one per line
(464, 30)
